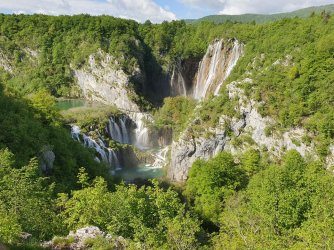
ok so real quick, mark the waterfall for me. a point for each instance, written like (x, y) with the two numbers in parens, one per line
(75, 132)
(234, 57)
(215, 67)
(100, 149)
(125, 134)
(177, 83)
(113, 159)
(118, 130)
(107, 155)
(142, 140)
(114, 130)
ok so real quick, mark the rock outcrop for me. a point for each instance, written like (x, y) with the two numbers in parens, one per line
(104, 81)
(5, 63)
(46, 161)
(330, 158)
(249, 123)
(82, 238)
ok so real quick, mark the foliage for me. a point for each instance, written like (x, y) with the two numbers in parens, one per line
(210, 182)
(25, 201)
(149, 215)
(174, 114)
(34, 124)
(278, 207)
(262, 18)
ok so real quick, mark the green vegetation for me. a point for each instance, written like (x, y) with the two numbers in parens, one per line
(209, 182)
(175, 114)
(292, 79)
(150, 216)
(30, 126)
(283, 207)
(262, 18)
(92, 116)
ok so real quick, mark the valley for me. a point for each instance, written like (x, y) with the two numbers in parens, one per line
(125, 135)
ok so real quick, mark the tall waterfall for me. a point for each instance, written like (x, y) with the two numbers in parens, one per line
(177, 82)
(216, 65)
(237, 51)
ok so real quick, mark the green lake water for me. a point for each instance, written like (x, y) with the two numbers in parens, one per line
(141, 172)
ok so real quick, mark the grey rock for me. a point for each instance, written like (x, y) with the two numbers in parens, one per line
(77, 240)
(47, 159)
(330, 158)
(249, 122)
(104, 81)
(5, 63)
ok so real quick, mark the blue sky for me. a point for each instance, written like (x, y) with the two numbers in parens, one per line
(155, 10)
(184, 11)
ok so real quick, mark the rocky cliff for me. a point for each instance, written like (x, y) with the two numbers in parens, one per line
(5, 63)
(103, 80)
(247, 124)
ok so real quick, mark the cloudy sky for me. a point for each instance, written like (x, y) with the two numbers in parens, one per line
(155, 10)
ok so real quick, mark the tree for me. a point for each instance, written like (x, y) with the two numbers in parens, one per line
(25, 201)
(210, 182)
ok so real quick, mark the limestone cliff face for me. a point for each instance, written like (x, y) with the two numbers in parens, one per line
(5, 63)
(330, 159)
(250, 123)
(104, 81)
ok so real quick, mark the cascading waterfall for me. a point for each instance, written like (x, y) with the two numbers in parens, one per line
(75, 132)
(118, 131)
(215, 67)
(177, 83)
(114, 130)
(142, 140)
(125, 138)
(113, 159)
(107, 155)
(90, 143)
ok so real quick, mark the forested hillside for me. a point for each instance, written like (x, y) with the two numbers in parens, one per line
(244, 195)
(264, 18)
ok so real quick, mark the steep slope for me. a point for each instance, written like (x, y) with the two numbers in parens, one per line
(103, 80)
(247, 129)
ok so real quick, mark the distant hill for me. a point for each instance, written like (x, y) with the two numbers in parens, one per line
(261, 18)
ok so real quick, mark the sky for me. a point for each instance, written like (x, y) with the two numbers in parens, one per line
(155, 10)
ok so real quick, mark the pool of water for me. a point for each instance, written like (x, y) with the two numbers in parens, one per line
(66, 104)
(142, 172)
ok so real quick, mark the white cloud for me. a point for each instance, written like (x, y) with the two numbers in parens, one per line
(139, 10)
(233, 7)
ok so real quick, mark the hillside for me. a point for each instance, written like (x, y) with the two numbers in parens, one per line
(262, 18)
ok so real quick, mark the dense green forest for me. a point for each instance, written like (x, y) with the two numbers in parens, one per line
(229, 202)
